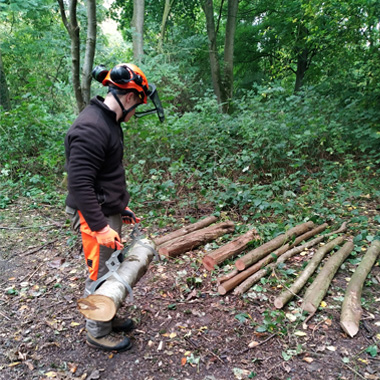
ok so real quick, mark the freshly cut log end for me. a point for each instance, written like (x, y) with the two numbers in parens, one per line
(350, 328)
(97, 307)
(209, 263)
(222, 290)
(240, 264)
(278, 303)
(309, 307)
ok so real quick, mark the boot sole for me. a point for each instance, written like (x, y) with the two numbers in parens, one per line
(94, 345)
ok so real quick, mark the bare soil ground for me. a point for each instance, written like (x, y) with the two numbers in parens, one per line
(185, 330)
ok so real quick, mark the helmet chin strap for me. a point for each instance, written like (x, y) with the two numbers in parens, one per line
(123, 110)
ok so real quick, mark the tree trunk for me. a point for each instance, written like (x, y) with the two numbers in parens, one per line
(72, 27)
(208, 8)
(4, 90)
(258, 253)
(228, 79)
(229, 250)
(193, 240)
(351, 308)
(90, 51)
(185, 230)
(301, 280)
(165, 16)
(138, 30)
(318, 289)
(302, 65)
(233, 282)
(104, 303)
(287, 255)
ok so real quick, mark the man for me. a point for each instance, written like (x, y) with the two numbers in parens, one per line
(97, 197)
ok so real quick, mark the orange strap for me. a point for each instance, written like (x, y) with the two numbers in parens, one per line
(90, 248)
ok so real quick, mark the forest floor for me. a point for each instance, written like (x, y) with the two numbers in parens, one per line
(185, 330)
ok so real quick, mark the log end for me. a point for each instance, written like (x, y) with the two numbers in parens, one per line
(309, 307)
(278, 303)
(209, 263)
(349, 327)
(239, 264)
(163, 251)
(97, 307)
(222, 290)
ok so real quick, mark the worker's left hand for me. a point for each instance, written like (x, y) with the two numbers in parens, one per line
(129, 216)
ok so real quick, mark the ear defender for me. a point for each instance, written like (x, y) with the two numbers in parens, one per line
(99, 73)
(120, 74)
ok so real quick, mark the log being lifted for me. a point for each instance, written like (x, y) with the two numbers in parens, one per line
(229, 250)
(186, 230)
(260, 252)
(351, 308)
(250, 281)
(186, 243)
(226, 286)
(318, 289)
(301, 280)
(104, 303)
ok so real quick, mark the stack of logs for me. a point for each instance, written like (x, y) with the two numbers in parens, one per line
(260, 261)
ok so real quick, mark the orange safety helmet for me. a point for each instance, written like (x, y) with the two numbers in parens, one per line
(128, 76)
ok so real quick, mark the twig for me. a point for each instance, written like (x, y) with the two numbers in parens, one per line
(28, 227)
(5, 316)
(38, 248)
(30, 276)
(354, 371)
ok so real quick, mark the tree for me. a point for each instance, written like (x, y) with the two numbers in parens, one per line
(222, 86)
(4, 91)
(81, 87)
(138, 30)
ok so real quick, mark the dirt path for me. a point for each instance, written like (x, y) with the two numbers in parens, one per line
(185, 330)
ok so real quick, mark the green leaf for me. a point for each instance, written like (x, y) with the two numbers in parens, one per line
(372, 350)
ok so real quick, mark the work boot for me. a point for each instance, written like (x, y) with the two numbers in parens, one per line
(122, 325)
(109, 342)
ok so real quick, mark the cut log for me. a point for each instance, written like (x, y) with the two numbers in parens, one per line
(318, 289)
(287, 255)
(195, 239)
(228, 285)
(104, 303)
(351, 309)
(258, 253)
(227, 276)
(186, 230)
(229, 250)
(301, 280)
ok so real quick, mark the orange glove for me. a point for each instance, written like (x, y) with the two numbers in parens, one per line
(108, 237)
(129, 216)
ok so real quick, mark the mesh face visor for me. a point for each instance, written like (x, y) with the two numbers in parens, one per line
(153, 96)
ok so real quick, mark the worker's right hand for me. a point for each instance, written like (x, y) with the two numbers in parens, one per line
(108, 237)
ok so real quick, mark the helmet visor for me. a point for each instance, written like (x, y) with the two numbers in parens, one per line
(153, 96)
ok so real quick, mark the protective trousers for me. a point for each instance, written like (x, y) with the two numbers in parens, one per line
(96, 256)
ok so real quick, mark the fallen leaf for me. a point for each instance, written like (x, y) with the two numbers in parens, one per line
(323, 304)
(308, 360)
(291, 317)
(51, 374)
(73, 324)
(328, 322)
(72, 367)
(331, 348)
(253, 344)
(161, 344)
(183, 361)
(365, 361)
(300, 333)
(13, 364)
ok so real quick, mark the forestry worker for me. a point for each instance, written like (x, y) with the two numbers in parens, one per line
(97, 200)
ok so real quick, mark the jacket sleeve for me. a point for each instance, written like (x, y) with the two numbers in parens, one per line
(86, 146)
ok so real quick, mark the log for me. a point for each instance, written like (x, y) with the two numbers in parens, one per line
(287, 255)
(351, 309)
(301, 280)
(104, 303)
(229, 250)
(228, 285)
(318, 289)
(194, 239)
(186, 230)
(258, 253)
(227, 276)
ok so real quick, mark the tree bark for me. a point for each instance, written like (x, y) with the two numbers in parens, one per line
(318, 289)
(258, 253)
(138, 30)
(229, 250)
(287, 255)
(193, 240)
(104, 303)
(351, 309)
(165, 16)
(301, 280)
(185, 230)
(228, 79)
(208, 8)
(233, 282)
